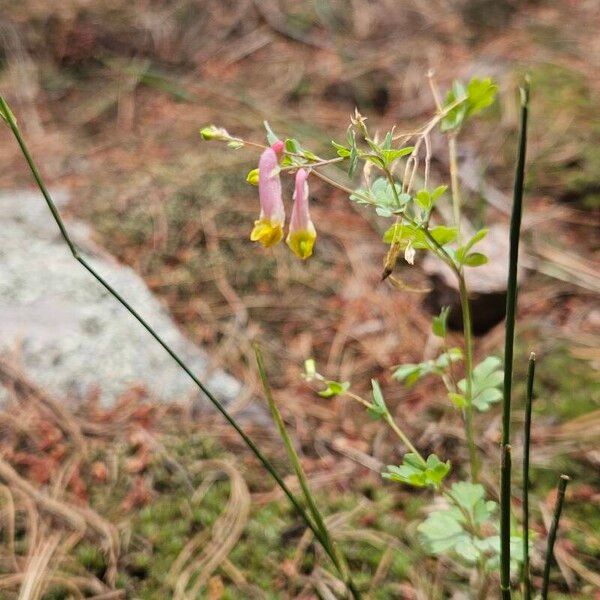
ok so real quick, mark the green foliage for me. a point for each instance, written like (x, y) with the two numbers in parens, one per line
(413, 471)
(479, 94)
(381, 195)
(464, 256)
(411, 373)
(334, 388)
(439, 323)
(403, 233)
(378, 408)
(426, 199)
(463, 529)
(487, 376)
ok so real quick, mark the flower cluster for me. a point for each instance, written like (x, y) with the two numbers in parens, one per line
(268, 229)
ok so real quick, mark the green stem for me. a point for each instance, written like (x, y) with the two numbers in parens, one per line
(392, 423)
(560, 497)
(468, 412)
(526, 448)
(336, 556)
(6, 113)
(456, 196)
(511, 297)
(511, 303)
(505, 523)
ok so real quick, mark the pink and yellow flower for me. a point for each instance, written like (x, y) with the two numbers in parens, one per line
(268, 229)
(302, 234)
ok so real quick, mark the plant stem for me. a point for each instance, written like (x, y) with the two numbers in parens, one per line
(392, 423)
(526, 447)
(389, 419)
(511, 296)
(456, 196)
(505, 523)
(5, 111)
(511, 303)
(336, 556)
(560, 497)
(468, 412)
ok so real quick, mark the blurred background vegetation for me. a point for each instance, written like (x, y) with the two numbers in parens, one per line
(111, 95)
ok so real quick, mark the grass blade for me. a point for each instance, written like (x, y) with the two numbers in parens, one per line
(329, 546)
(560, 497)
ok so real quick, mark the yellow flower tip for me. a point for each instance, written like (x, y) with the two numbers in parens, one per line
(301, 243)
(267, 233)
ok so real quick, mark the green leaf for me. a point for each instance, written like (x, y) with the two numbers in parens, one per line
(487, 376)
(341, 150)
(413, 471)
(441, 532)
(382, 196)
(482, 93)
(475, 259)
(423, 198)
(455, 117)
(389, 156)
(463, 251)
(334, 388)
(444, 235)
(458, 400)
(438, 325)
(467, 495)
(292, 146)
(411, 373)
(271, 136)
(406, 231)
(479, 93)
(378, 408)
(439, 191)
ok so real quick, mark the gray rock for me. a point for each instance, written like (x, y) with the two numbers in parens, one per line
(67, 333)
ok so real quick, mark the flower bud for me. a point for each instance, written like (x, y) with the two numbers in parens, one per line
(212, 132)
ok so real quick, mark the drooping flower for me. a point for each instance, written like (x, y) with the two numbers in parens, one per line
(268, 229)
(302, 234)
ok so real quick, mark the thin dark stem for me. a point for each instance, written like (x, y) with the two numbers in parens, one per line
(511, 297)
(560, 497)
(526, 448)
(216, 403)
(505, 523)
(511, 304)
